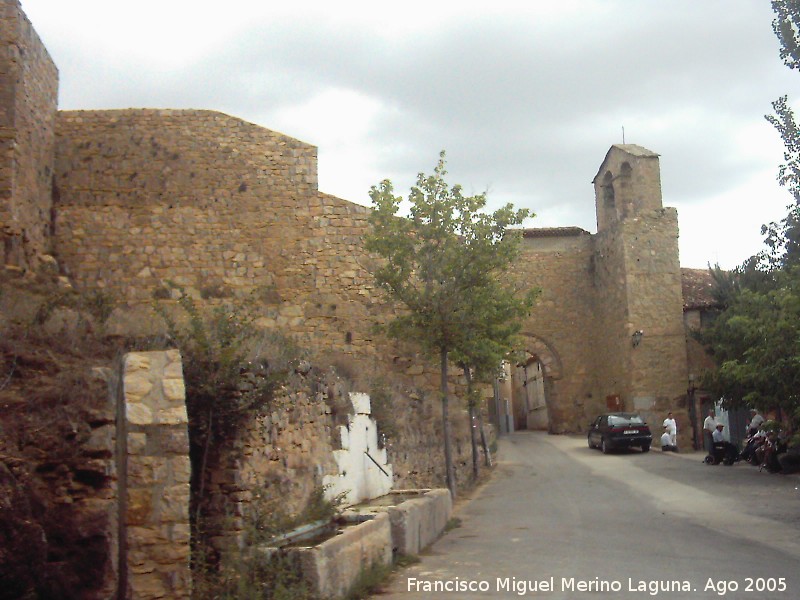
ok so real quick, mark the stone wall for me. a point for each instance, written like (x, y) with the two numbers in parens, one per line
(28, 96)
(218, 206)
(557, 262)
(224, 209)
(154, 473)
(643, 251)
(292, 452)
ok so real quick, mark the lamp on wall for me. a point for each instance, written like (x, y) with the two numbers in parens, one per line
(636, 338)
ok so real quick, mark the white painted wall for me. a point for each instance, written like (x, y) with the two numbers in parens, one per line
(359, 478)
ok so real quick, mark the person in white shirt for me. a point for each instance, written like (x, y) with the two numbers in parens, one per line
(672, 429)
(719, 440)
(756, 421)
(709, 426)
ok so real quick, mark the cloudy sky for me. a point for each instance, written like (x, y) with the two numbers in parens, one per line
(526, 97)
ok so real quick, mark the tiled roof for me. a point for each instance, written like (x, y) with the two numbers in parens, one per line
(697, 286)
(541, 232)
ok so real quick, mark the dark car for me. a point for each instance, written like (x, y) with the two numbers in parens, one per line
(619, 430)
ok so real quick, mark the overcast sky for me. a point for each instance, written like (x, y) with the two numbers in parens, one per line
(526, 97)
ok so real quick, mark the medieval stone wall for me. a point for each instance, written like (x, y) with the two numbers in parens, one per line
(28, 96)
(613, 338)
(558, 265)
(639, 277)
(224, 208)
(151, 197)
(218, 206)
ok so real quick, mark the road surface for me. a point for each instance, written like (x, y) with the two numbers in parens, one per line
(559, 520)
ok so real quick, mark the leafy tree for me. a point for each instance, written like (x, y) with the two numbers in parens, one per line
(436, 263)
(756, 339)
(496, 312)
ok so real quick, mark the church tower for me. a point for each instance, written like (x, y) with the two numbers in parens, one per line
(641, 358)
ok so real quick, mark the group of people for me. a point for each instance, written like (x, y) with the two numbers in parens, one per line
(714, 437)
(768, 447)
(714, 441)
(669, 439)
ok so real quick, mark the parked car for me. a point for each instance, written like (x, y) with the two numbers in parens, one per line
(619, 430)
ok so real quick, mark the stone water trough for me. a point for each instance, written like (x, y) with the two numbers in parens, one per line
(332, 555)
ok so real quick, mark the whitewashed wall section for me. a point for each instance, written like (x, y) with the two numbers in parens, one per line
(364, 470)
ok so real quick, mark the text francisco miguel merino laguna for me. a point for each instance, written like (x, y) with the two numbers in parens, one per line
(522, 587)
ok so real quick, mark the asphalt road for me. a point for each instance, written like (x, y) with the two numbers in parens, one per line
(559, 520)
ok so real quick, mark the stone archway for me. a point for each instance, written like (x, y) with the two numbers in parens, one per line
(532, 383)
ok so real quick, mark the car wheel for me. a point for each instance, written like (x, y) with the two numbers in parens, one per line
(604, 446)
(591, 445)
(646, 448)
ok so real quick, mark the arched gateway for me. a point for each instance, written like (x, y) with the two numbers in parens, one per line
(531, 384)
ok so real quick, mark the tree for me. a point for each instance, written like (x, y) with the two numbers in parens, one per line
(496, 314)
(756, 339)
(436, 261)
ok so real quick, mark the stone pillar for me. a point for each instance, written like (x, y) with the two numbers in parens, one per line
(154, 471)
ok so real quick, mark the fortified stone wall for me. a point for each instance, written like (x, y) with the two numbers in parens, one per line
(196, 197)
(557, 262)
(122, 228)
(613, 337)
(150, 197)
(28, 96)
(658, 369)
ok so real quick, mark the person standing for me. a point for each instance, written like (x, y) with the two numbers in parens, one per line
(672, 429)
(709, 427)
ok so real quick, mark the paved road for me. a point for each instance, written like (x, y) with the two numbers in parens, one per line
(561, 521)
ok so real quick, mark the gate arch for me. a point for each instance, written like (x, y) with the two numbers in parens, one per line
(532, 389)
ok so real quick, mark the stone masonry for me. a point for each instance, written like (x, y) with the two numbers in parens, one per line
(28, 94)
(225, 208)
(154, 472)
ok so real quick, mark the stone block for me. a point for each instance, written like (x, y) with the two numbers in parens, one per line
(136, 361)
(138, 413)
(180, 468)
(172, 416)
(174, 390)
(146, 471)
(174, 504)
(140, 509)
(137, 386)
(137, 443)
(175, 440)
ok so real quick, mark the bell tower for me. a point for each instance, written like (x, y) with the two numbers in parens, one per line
(627, 184)
(641, 357)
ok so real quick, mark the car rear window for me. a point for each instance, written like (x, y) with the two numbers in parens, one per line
(617, 421)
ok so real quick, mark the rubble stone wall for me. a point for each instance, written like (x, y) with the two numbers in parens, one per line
(28, 96)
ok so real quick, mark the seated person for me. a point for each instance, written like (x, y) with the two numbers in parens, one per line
(774, 446)
(756, 421)
(753, 442)
(720, 442)
(666, 441)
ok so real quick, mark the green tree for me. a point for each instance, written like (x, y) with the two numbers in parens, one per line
(497, 313)
(756, 339)
(436, 262)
